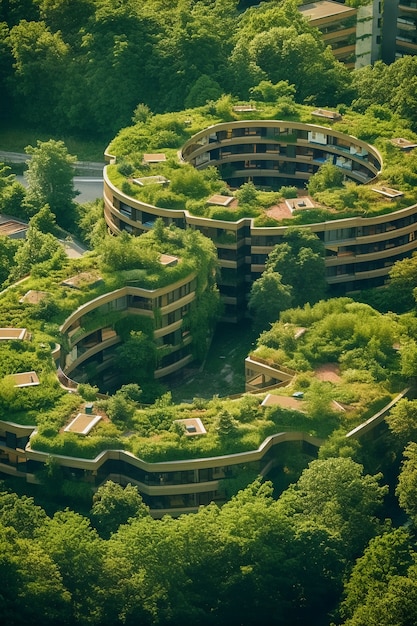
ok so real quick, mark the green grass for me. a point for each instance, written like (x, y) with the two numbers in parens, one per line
(15, 138)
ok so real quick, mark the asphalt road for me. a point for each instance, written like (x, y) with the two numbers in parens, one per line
(18, 157)
(89, 188)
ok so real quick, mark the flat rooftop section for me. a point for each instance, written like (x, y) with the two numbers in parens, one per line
(7, 334)
(220, 200)
(154, 158)
(82, 424)
(328, 115)
(168, 260)
(151, 180)
(404, 144)
(84, 278)
(388, 192)
(295, 204)
(193, 426)
(33, 297)
(26, 379)
(244, 108)
(283, 401)
(9, 228)
(324, 8)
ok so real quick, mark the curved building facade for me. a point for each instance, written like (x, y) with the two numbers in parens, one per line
(91, 338)
(359, 250)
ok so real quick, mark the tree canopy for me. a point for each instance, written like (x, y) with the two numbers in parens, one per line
(50, 180)
(294, 275)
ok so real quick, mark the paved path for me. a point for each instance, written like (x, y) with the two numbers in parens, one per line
(73, 249)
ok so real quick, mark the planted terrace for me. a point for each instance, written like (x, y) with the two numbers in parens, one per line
(201, 156)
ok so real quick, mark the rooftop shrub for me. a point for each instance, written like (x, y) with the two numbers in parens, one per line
(189, 189)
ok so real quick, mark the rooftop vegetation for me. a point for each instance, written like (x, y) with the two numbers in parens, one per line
(189, 189)
(370, 367)
(360, 343)
(69, 284)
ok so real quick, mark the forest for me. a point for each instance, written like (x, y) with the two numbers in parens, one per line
(338, 546)
(54, 54)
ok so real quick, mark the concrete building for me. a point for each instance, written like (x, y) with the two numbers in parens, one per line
(353, 34)
(399, 29)
(91, 339)
(359, 251)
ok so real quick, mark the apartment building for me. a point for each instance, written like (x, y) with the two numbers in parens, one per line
(359, 250)
(399, 31)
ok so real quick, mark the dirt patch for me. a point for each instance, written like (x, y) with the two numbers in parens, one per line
(279, 211)
(329, 372)
(286, 402)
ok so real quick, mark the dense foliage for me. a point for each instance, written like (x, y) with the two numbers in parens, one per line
(317, 554)
(68, 566)
(294, 275)
(166, 56)
(54, 55)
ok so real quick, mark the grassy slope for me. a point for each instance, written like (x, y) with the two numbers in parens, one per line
(15, 138)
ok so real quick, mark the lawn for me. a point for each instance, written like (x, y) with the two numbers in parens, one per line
(15, 138)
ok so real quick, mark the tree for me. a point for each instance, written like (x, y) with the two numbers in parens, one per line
(299, 259)
(402, 283)
(144, 573)
(8, 249)
(37, 248)
(40, 63)
(203, 90)
(385, 559)
(136, 358)
(268, 297)
(275, 43)
(407, 482)
(44, 221)
(20, 513)
(50, 180)
(393, 85)
(32, 588)
(336, 493)
(12, 193)
(226, 424)
(247, 193)
(77, 551)
(319, 398)
(132, 392)
(328, 176)
(68, 17)
(120, 409)
(114, 505)
(409, 358)
(117, 40)
(12, 11)
(271, 93)
(402, 420)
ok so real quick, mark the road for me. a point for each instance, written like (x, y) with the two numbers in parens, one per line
(89, 188)
(18, 157)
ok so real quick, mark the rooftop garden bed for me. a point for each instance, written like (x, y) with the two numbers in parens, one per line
(355, 338)
(348, 367)
(122, 261)
(189, 189)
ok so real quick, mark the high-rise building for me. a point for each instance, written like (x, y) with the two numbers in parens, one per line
(379, 30)
(353, 34)
(399, 29)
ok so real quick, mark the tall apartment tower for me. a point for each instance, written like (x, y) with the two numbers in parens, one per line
(399, 29)
(353, 34)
